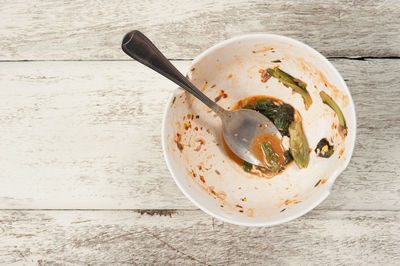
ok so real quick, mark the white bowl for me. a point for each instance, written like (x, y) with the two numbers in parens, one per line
(219, 186)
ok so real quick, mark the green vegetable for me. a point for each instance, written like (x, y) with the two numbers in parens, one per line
(247, 166)
(267, 108)
(326, 99)
(264, 104)
(324, 149)
(298, 144)
(288, 157)
(296, 84)
(271, 156)
(283, 118)
(281, 115)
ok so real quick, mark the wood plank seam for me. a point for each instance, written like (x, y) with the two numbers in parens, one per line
(362, 58)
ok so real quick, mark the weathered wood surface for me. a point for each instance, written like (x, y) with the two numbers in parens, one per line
(194, 238)
(93, 30)
(78, 135)
(86, 135)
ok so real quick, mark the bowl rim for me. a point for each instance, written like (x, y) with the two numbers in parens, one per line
(330, 181)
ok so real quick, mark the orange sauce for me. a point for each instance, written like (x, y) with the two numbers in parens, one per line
(252, 101)
(257, 150)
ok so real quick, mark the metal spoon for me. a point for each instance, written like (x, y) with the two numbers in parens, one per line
(239, 127)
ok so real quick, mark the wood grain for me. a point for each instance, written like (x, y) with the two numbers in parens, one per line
(78, 135)
(86, 135)
(194, 238)
(93, 30)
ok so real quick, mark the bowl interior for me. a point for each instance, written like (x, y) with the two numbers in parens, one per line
(192, 138)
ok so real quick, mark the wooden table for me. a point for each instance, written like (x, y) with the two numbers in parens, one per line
(83, 179)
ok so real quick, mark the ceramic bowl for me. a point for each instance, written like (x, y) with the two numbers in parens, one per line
(192, 138)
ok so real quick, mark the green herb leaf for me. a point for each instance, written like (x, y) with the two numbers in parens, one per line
(247, 166)
(283, 118)
(271, 156)
(267, 108)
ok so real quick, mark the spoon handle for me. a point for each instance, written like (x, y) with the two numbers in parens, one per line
(139, 47)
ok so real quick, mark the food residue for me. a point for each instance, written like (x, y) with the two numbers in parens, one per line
(177, 139)
(200, 144)
(264, 75)
(289, 202)
(267, 148)
(341, 153)
(204, 86)
(222, 94)
(187, 125)
(265, 49)
(324, 149)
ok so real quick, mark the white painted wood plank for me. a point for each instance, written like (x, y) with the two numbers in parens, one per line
(81, 30)
(375, 164)
(194, 238)
(83, 135)
(87, 135)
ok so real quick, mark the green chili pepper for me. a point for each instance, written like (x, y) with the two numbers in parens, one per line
(326, 99)
(298, 144)
(296, 84)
